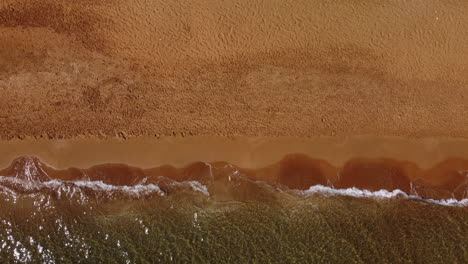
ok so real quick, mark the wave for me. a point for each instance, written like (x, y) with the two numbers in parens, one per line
(381, 194)
(305, 176)
(84, 189)
(195, 186)
(71, 189)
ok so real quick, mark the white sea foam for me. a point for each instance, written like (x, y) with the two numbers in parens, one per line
(194, 185)
(382, 194)
(135, 190)
(198, 187)
(75, 187)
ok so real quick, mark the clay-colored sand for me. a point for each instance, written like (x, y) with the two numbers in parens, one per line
(233, 68)
(242, 151)
(246, 97)
(234, 81)
(432, 168)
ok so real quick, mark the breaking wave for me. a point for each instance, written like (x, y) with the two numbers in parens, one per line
(297, 176)
(85, 189)
(381, 194)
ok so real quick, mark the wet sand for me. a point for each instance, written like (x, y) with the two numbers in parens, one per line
(248, 152)
(430, 168)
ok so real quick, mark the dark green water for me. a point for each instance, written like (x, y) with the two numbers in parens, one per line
(68, 224)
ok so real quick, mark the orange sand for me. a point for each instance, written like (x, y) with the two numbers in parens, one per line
(233, 68)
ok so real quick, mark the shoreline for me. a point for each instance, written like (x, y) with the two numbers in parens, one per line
(246, 152)
(435, 167)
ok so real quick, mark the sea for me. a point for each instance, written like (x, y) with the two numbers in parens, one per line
(225, 218)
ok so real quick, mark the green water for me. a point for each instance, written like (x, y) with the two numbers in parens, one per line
(191, 228)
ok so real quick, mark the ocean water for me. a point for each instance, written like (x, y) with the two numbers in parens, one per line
(230, 219)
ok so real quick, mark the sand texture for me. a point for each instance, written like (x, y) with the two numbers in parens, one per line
(233, 68)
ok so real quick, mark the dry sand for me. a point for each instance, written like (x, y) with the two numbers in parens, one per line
(233, 68)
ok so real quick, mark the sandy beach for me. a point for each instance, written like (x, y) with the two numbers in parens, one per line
(228, 68)
(233, 131)
(153, 83)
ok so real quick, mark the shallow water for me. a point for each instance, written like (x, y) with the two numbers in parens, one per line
(225, 219)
